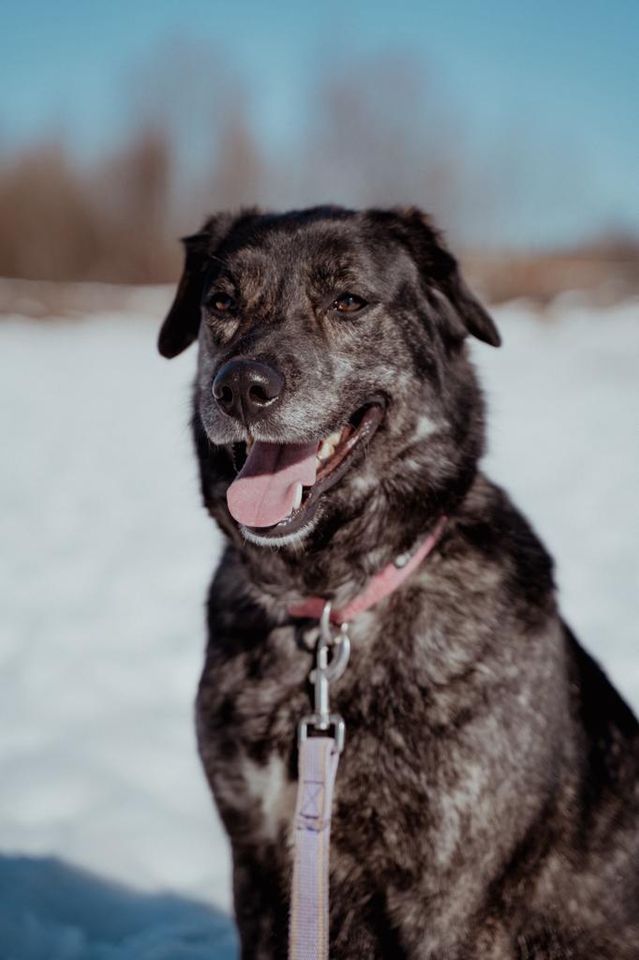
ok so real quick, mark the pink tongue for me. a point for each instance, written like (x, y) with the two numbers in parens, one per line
(264, 491)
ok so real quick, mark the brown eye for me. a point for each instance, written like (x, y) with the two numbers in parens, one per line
(221, 302)
(348, 303)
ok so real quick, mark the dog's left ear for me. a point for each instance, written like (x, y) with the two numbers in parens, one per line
(458, 308)
(182, 322)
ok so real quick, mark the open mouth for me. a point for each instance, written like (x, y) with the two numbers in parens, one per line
(278, 486)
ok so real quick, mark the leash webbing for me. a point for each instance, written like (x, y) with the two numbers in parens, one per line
(309, 916)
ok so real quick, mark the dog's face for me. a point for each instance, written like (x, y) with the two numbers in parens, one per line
(332, 377)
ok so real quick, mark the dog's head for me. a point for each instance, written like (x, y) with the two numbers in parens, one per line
(333, 384)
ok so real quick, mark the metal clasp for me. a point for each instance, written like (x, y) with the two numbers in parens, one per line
(324, 673)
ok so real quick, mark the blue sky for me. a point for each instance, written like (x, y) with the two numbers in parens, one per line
(556, 84)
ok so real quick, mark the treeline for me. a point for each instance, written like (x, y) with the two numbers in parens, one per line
(372, 132)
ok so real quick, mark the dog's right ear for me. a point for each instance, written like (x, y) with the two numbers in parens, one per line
(182, 322)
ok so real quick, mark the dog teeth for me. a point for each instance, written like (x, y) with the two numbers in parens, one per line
(332, 441)
(326, 451)
(249, 443)
(297, 499)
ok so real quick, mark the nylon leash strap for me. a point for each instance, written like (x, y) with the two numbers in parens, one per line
(318, 757)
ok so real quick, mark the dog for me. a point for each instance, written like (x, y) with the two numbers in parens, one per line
(487, 800)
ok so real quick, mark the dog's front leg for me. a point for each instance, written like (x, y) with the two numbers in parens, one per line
(261, 905)
(356, 940)
(261, 896)
(360, 925)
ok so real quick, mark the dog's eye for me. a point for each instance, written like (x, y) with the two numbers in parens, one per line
(348, 303)
(221, 302)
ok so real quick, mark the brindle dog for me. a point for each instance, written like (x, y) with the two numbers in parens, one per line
(487, 802)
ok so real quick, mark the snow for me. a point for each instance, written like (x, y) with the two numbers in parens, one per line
(111, 847)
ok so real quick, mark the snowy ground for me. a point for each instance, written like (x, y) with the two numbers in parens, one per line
(110, 847)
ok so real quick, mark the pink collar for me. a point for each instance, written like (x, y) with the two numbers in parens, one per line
(378, 587)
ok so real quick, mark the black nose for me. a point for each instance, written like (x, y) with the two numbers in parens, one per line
(245, 388)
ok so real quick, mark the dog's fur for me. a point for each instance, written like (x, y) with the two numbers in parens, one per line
(487, 803)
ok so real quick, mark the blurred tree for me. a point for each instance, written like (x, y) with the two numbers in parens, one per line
(386, 135)
(133, 193)
(239, 172)
(49, 227)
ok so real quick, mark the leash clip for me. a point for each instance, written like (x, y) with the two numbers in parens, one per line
(324, 673)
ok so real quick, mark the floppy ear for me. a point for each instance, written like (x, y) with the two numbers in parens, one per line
(458, 308)
(182, 322)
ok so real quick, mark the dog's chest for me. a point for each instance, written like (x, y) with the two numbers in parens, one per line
(266, 797)
(248, 709)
